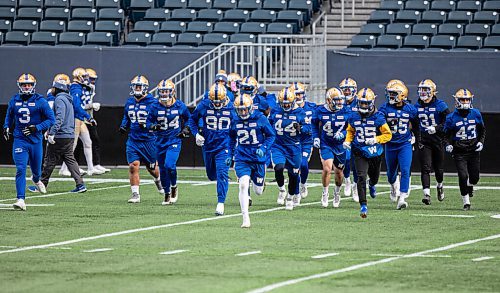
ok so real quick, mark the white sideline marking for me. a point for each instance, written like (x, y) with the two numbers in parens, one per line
(449, 216)
(248, 253)
(7, 246)
(496, 216)
(173, 252)
(324, 255)
(30, 205)
(368, 264)
(202, 183)
(482, 258)
(402, 255)
(98, 250)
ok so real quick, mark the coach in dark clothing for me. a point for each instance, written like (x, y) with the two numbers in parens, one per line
(62, 134)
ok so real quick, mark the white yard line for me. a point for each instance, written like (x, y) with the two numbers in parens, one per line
(248, 253)
(449, 216)
(324, 255)
(496, 216)
(98, 250)
(482, 258)
(173, 252)
(369, 264)
(401, 255)
(7, 246)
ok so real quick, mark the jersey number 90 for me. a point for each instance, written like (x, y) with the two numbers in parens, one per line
(217, 123)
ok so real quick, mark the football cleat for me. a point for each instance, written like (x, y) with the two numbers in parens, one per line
(173, 194)
(64, 172)
(281, 197)
(355, 196)
(440, 193)
(40, 187)
(250, 201)
(289, 203)
(166, 201)
(466, 202)
(347, 187)
(95, 171)
(135, 198)
(427, 199)
(159, 187)
(219, 210)
(402, 204)
(246, 222)
(82, 172)
(363, 212)
(336, 200)
(80, 188)
(303, 190)
(373, 191)
(32, 188)
(19, 205)
(394, 193)
(324, 200)
(467, 207)
(296, 200)
(99, 167)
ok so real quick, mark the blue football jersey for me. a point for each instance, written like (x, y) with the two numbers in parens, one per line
(172, 119)
(353, 106)
(399, 120)
(260, 103)
(327, 123)
(366, 127)
(286, 134)
(33, 111)
(135, 113)
(76, 91)
(248, 135)
(462, 128)
(430, 114)
(309, 108)
(216, 124)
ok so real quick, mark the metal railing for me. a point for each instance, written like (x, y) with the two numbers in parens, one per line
(275, 60)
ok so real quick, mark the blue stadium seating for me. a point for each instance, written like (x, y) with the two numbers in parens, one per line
(43, 38)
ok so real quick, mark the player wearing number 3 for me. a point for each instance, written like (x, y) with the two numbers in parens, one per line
(216, 113)
(366, 133)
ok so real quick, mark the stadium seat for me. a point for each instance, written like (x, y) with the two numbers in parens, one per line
(224, 4)
(492, 42)
(292, 16)
(215, 39)
(408, 16)
(261, 15)
(111, 26)
(21, 38)
(463, 17)
(57, 26)
(491, 5)
(25, 25)
(164, 39)
(80, 26)
(100, 38)
(199, 27)
(305, 6)
(443, 5)
(495, 30)
(372, 29)
(443, 42)
(149, 26)
(451, 29)
(420, 5)
(416, 41)
(175, 4)
(237, 15)
(138, 38)
(173, 26)
(428, 29)
(72, 38)
(7, 13)
(401, 29)
(84, 14)
(57, 13)
(111, 14)
(467, 5)
(384, 16)
(490, 17)
(469, 42)
(200, 4)
(43, 38)
(30, 13)
(5, 25)
(239, 38)
(107, 4)
(250, 4)
(477, 29)
(433, 16)
(394, 5)
(30, 3)
(280, 28)
(8, 3)
(253, 28)
(213, 15)
(158, 14)
(82, 3)
(226, 27)
(56, 3)
(183, 14)
(363, 41)
(389, 41)
(190, 39)
(138, 8)
(276, 5)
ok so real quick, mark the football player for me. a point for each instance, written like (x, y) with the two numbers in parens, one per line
(222, 79)
(349, 88)
(170, 117)
(329, 128)
(250, 86)
(366, 132)
(400, 116)
(289, 123)
(28, 116)
(466, 132)
(215, 113)
(251, 138)
(306, 138)
(141, 139)
(432, 115)
(233, 83)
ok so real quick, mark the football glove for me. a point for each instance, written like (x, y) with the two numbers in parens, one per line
(228, 161)
(51, 139)
(371, 141)
(29, 130)
(317, 143)
(297, 126)
(142, 125)
(200, 140)
(260, 153)
(449, 148)
(479, 146)
(412, 141)
(6, 134)
(123, 130)
(186, 131)
(96, 106)
(431, 130)
(346, 145)
(339, 136)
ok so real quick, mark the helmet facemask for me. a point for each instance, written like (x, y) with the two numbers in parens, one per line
(26, 88)
(244, 112)
(138, 89)
(393, 96)
(349, 93)
(365, 106)
(463, 103)
(166, 96)
(425, 94)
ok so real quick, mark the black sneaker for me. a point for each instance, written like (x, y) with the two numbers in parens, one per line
(166, 201)
(466, 207)
(173, 194)
(440, 193)
(427, 199)
(249, 201)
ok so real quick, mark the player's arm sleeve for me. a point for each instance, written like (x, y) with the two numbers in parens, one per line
(315, 125)
(350, 133)
(60, 110)
(448, 131)
(232, 140)
(49, 116)
(185, 114)
(193, 120)
(125, 120)
(8, 123)
(443, 115)
(79, 112)
(481, 129)
(306, 127)
(385, 134)
(269, 132)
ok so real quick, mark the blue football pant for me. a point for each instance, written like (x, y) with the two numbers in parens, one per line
(167, 163)
(22, 153)
(399, 160)
(216, 168)
(347, 168)
(304, 166)
(290, 161)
